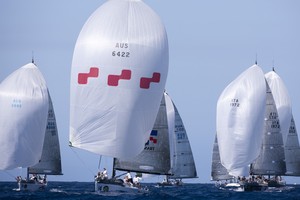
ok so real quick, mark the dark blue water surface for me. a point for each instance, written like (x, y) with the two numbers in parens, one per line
(83, 190)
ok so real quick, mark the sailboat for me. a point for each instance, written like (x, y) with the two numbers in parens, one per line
(118, 76)
(24, 106)
(50, 162)
(167, 151)
(290, 136)
(240, 122)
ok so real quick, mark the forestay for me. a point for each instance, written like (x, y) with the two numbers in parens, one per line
(24, 107)
(50, 162)
(118, 76)
(240, 118)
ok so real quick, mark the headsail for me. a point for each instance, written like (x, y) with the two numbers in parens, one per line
(271, 160)
(24, 107)
(240, 116)
(50, 162)
(118, 76)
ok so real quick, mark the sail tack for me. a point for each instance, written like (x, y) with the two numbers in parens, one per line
(24, 107)
(118, 76)
(240, 117)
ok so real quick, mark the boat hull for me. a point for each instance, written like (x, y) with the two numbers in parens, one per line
(115, 186)
(30, 186)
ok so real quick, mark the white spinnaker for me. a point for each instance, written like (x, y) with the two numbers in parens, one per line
(240, 118)
(113, 114)
(24, 110)
(282, 101)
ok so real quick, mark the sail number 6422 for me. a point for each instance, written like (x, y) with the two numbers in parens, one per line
(124, 54)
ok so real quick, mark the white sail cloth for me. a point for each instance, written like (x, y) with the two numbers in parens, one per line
(282, 101)
(240, 119)
(24, 108)
(118, 76)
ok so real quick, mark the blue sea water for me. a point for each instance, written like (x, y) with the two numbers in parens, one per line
(84, 191)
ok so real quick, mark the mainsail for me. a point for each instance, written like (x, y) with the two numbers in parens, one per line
(118, 76)
(155, 158)
(182, 160)
(282, 101)
(50, 162)
(271, 160)
(292, 151)
(218, 171)
(24, 106)
(240, 118)
(168, 151)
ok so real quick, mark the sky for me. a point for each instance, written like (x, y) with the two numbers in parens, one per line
(210, 44)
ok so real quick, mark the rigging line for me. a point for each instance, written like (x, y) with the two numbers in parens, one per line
(82, 162)
(10, 174)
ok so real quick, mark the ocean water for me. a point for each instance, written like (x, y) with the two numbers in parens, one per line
(83, 191)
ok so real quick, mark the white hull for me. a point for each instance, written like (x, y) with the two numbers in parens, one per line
(114, 187)
(30, 186)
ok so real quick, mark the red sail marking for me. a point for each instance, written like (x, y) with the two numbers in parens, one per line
(154, 140)
(113, 80)
(145, 82)
(83, 77)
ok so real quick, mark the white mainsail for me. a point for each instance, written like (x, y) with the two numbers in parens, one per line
(118, 76)
(240, 118)
(50, 162)
(282, 101)
(24, 108)
(168, 151)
